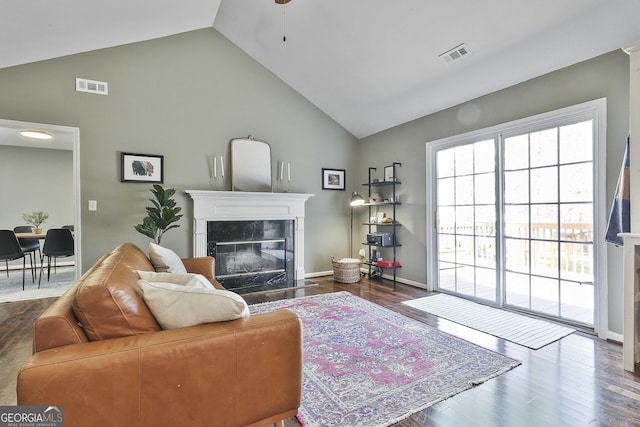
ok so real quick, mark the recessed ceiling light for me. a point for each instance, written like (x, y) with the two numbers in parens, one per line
(36, 134)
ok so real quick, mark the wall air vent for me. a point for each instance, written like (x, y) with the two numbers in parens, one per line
(92, 86)
(454, 54)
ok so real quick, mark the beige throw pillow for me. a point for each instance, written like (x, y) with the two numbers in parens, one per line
(186, 279)
(165, 260)
(178, 306)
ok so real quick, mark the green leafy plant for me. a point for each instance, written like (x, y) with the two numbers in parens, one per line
(161, 217)
(35, 218)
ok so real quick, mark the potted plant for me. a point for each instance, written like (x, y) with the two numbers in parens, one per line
(35, 218)
(161, 217)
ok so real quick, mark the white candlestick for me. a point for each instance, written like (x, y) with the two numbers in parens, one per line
(221, 167)
(288, 171)
(281, 170)
(215, 161)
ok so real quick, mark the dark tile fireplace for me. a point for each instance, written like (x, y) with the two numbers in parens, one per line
(252, 256)
(257, 238)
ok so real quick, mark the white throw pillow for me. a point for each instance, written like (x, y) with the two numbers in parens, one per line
(184, 279)
(165, 260)
(178, 306)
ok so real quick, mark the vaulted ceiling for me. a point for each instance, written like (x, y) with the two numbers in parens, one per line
(370, 65)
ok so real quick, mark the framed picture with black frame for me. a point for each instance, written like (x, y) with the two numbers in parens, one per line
(141, 168)
(333, 179)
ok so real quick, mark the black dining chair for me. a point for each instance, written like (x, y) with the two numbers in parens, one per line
(29, 246)
(58, 243)
(10, 249)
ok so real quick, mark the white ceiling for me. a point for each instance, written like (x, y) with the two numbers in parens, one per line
(370, 65)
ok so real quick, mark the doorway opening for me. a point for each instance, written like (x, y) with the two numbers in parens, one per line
(64, 138)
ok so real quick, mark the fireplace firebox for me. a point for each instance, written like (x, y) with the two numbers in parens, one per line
(252, 255)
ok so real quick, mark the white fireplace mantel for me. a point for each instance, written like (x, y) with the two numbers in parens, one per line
(248, 206)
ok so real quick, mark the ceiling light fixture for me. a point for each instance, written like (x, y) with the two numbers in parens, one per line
(284, 23)
(36, 134)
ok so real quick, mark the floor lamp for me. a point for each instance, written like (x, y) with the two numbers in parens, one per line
(356, 200)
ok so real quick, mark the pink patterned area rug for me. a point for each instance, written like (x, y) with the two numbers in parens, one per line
(365, 365)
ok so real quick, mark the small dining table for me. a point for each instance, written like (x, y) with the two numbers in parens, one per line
(31, 235)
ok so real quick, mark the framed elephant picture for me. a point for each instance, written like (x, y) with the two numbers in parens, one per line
(142, 168)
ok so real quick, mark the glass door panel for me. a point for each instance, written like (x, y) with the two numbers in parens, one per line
(466, 212)
(548, 222)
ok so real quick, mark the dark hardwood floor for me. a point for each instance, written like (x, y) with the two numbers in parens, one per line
(576, 381)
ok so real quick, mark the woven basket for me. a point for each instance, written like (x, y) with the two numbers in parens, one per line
(346, 270)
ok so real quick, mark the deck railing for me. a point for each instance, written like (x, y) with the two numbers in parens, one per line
(568, 248)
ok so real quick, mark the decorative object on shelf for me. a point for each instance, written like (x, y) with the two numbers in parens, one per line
(333, 179)
(379, 238)
(346, 270)
(216, 172)
(387, 264)
(282, 167)
(250, 165)
(389, 174)
(283, 175)
(141, 168)
(36, 219)
(375, 197)
(162, 216)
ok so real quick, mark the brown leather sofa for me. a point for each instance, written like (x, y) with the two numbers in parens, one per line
(100, 354)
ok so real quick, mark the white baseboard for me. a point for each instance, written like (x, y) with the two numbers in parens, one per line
(365, 270)
(405, 281)
(318, 274)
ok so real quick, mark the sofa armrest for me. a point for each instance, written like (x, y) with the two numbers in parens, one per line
(235, 373)
(205, 266)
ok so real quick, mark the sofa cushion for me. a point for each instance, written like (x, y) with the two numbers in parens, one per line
(108, 302)
(187, 279)
(165, 260)
(179, 306)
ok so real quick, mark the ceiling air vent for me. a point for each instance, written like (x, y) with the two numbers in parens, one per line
(92, 86)
(455, 53)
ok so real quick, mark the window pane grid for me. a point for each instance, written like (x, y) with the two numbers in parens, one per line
(466, 219)
(546, 231)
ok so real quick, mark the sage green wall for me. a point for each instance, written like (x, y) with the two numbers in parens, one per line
(604, 76)
(184, 97)
(36, 179)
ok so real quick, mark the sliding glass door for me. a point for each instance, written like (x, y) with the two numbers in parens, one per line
(513, 214)
(466, 216)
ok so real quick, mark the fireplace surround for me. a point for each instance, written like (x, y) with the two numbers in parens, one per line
(246, 231)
